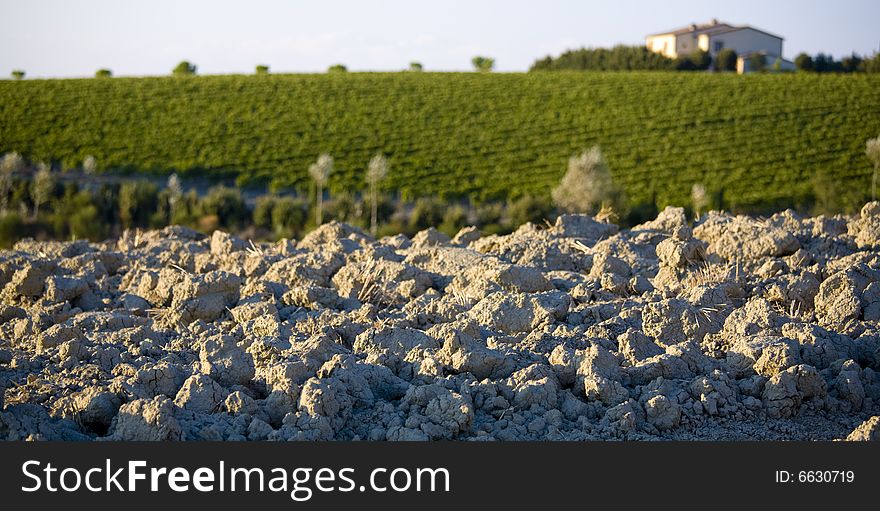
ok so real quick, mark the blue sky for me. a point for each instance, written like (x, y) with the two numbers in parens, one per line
(49, 38)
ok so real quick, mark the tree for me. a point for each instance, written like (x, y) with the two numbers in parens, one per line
(871, 64)
(103, 73)
(851, 64)
(18, 74)
(804, 62)
(41, 187)
(701, 60)
(337, 68)
(699, 199)
(376, 172)
(825, 63)
(758, 62)
(185, 68)
(137, 202)
(288, 216)
(90, 164)
(483, 64)
(415, 66)
(872, 150)
(175, 194)
(262, 69)
(9, 165)
(587, 185)
(320, 172)
(725, 60)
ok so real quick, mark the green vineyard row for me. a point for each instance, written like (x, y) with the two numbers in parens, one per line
(759, 138)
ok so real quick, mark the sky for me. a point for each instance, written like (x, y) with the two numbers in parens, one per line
(70, 38)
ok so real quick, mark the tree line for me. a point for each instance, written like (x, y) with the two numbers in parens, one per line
(640, 58)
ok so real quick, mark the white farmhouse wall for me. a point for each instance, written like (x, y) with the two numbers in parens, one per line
(664, 44)
(685, 44)
(745, 41)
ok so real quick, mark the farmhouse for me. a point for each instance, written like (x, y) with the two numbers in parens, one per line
(715, 36)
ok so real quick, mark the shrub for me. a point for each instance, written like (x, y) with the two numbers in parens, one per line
(345, 207)
(489, 213)
(725, 60)
(833, 196)
(226, 204)
(697, 61)
(103, 73)
(11, 229)
(587, 184)
(528, 209)
(184, 68)
(186, 210)
(137, 202)
(262, 212)
(337, 68)
(454, 219)
(18, 74)
(427, 212)
(85, 223)
(289, 217)
(415, 66)
(262, 69)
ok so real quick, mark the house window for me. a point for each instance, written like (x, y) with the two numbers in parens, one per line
(719, 45)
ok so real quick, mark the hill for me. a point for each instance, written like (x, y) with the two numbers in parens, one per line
(755, 140)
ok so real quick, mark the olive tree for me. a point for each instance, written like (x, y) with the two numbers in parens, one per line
(376, 172)
(587, 185)
(699, 199)
(90, 164)
(41, 187)
(9, 165)
(320, 172)
(872, 150)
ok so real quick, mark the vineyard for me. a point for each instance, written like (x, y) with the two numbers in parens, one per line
(756, 140)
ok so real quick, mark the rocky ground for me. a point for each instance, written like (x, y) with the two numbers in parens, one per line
(732, 328)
